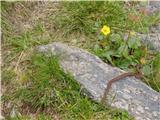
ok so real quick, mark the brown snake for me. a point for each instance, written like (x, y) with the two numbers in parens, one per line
(138, 74)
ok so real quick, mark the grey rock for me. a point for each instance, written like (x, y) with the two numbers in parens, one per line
(93, 74)
(155, 4)
(155, 29)
(152, 40)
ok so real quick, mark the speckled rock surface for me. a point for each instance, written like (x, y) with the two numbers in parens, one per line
(93, 74)
(152, 40)
(155, 4)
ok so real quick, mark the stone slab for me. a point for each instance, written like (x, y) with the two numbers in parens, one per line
(93, 74)
(152, 40)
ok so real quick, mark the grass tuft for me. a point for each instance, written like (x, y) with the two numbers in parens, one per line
(50, 89)
(34, 86)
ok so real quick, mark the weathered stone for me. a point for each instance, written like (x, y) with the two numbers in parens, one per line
(155, 4)
(152, 40)
(93, 74)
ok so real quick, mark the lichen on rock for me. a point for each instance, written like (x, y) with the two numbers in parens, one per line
(93, 74)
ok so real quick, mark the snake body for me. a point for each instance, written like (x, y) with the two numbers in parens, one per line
(120, 77)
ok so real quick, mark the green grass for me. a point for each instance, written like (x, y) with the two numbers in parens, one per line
(35, 85)
(151, 72)
(29, 39)
(89, 17)
(50, 89)
(84, 17)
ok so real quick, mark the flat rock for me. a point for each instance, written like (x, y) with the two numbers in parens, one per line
(155, 4)
(93, 74)
(152, 40)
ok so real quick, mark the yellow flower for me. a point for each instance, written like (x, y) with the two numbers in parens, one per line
(142, 60)
(132, 33)
(105, 30)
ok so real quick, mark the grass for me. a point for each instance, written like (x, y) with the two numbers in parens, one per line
(35, 87)
(30, 39)
(49, 90)
(152, 72)
(89, 17)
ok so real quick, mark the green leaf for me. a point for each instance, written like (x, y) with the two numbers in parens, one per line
(115, 37)
(123, 50)
(138, 42)
(131, 43)
(134, 43)
(109, 59)
(147, 70)
(96, 47)
(100, 37)
(97, 24)
(108, 55)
